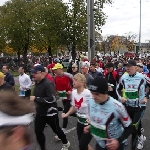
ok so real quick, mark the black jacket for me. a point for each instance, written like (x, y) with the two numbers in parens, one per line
(9, 79)
(6, 87)
(45, 98)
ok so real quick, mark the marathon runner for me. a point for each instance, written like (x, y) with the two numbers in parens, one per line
(135, 99)
(110, 123)
(80, 98)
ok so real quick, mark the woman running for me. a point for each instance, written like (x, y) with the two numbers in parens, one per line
(80, 98)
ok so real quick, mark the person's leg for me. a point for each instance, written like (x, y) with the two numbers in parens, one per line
(136, 121)
(79, 131)
(67, 106)
(122, 147)
(97, 147)
(28, 93)
(39, 124)
(84, 139)
(53, 121)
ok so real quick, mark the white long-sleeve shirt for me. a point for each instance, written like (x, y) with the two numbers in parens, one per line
(25, 82)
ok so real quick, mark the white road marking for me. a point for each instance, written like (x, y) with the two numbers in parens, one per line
(67, 131)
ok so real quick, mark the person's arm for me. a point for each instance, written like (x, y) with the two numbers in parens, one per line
(148, 91)
(28, 81)
(126, 121)
(71, 111)
(117, 78)
(50, 96)
(119, 89)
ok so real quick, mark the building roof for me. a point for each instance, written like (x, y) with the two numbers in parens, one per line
(144, 45)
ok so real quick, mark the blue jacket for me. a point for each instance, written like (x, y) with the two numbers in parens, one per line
(95, 74)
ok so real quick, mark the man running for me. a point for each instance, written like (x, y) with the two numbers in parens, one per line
(46, 108)
(63, 85)
(110, 123)
(134, 99)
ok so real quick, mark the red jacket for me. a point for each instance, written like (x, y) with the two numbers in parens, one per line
(64, 83)
(49, 77)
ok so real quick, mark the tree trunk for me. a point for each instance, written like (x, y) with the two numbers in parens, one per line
(73, 52)
(18, 55)
(25, 51)
(50, 54)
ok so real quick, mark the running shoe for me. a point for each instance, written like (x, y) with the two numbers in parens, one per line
(66, 146)
(141, 140)
(57, 138)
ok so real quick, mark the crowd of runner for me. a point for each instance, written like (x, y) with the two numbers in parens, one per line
(108, 97)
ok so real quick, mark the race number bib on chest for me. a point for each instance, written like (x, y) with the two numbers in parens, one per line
(99, 131)
(131, 94)
(82, 118)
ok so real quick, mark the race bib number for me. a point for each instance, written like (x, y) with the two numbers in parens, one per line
(22, 93)
(99, 131)
(132, 94)
(81, 118)
(62, 95)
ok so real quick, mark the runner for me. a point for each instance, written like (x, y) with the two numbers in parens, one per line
(110, 124)
(46, 108)
(85, 70)
(80, 98)
(112, 78)
(135, 99)
(63, 85)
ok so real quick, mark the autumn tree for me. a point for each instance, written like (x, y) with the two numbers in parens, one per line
(76, 22)
(17, 24)
(115, 43)
(48, 24)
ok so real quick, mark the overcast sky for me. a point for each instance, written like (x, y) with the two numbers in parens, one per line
(124, 17)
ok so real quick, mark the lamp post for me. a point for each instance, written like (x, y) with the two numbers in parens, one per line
(91, 29)
(140, 30)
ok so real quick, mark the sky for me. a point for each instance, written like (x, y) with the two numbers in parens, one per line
(124, 18)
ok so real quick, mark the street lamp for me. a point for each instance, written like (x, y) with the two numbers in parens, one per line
(91, 29)
(140, 30)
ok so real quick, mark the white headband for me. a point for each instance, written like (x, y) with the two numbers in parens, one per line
(7, 120)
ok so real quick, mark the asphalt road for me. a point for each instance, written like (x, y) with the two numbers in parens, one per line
(53, 144)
